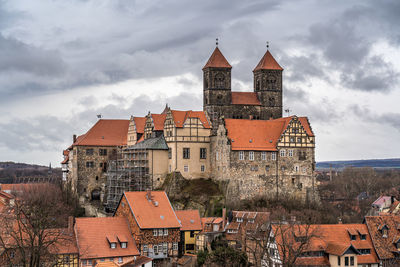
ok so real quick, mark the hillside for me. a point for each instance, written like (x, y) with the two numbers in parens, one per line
(11, 172)
(374, 163)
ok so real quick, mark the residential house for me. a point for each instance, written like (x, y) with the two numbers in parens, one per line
(191, 227)
(107, 239)
(212, 227)
(248, 231)
(382, 204)
(385, 234)
(154, 224)
(320, 245)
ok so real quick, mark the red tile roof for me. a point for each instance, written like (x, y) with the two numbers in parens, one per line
(181, 116)
(217, 60)
(156, 212)
(140, 123)
(92, 235)
(66, 242)
(105, 133)
(189, 219)
(158, 120)
(138, 262)
(245, 98)
(262, 135)
(331, 238)
(208, 222)
(268, 62)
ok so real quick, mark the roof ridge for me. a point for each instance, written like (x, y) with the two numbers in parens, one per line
(268, 62)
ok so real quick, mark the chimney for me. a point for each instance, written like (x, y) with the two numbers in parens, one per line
(340, 221)
(74, 138)
(223, 217)
(148, 195)
(392, 199)
(71, 224)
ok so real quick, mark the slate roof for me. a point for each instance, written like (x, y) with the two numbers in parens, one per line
(155, 143)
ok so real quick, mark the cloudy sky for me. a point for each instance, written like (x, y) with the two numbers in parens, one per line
(62, 62)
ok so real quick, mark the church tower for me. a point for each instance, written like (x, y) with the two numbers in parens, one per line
(216, 86)
(268, 86)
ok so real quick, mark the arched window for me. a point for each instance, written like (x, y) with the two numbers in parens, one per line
(271, 101)
(258, 85)
(219, 99)
(271, 82)
(219, 80)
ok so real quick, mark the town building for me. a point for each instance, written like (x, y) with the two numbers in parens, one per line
(247, 231)
(107, 239)
(190, 229)
(212, 227)
(385, 234)
(153, 222)
(320, 245)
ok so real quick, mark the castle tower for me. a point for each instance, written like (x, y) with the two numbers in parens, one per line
(216, 86)
(268, 86)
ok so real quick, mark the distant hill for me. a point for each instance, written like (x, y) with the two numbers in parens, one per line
(374, 163)
(13, 172)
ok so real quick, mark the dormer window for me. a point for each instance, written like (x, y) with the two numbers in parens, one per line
(239, 219)
(123, 244)
(384, 232)
(363, 237)
(113, 245)
(353, 237)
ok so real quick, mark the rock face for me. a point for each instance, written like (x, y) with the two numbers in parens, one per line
(202, 194)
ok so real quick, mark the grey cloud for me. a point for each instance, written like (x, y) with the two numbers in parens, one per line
(364, 113)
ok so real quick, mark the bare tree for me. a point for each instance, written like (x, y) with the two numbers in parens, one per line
(30, 225)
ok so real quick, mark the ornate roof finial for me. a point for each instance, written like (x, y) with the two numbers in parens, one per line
(216, 42)
(267, 45)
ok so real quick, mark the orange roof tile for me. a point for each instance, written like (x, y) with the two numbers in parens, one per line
(262, 135)
(158, 120)
(138, 262)
(189, 219)
(331, 238)
(245, 98)
(217, 60)
(181, 116)
(268, 62)
(105, 133)
(92, 235)
(154, 213)
(66, 242)
(140, 123)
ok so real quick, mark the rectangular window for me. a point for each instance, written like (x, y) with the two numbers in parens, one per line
(175, 246)
(290, 153)
(296, 168)
(103, 152)
(346, 261)
(266, 168)
(203, 153)
(299, 140)
(170, 168)
(186, 153)
(165, 247)
(165, 232)
(283, 153)
(263, 155)
(217, 155)
(89, 151)
(273, 156)
(145, 248)
(155, 248)
(169, 153)
(120, 260)
(113, 245)
(241, 155)
(186, 168)
(89, 164)
(160, 232)
(202, 168)
(351, 261)
(155, 232)
(192, 234)
(251, 155)
(123, 245)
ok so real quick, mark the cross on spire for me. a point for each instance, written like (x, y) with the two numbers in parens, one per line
(216, 42)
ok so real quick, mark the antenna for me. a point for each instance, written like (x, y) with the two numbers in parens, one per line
(287, 111)
(99, 116)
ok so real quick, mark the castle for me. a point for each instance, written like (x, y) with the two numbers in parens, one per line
(239, 140)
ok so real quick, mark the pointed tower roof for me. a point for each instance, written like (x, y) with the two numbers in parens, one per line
(268, 62)
(217, 60)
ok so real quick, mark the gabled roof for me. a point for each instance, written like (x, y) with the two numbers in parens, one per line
(158, 120)
(105, 133)
(261, 135)
(154, 211)
(268, 62)
(140, 123)
(245, 98)
(189, 219)
(180, 117)
(217, 60)
(92, 233)
(331, 238)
